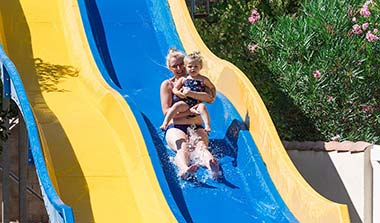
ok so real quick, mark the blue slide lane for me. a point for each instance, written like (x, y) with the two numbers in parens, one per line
(129, 41)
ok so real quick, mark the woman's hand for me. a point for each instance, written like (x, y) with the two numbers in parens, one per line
(179, 94)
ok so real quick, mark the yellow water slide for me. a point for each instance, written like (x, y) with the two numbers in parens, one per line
(95, 154)
(305, 203)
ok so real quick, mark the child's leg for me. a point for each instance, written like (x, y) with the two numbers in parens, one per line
(205, 116)
(178, 107)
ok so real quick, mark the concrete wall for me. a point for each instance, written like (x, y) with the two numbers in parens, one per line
(342, 177)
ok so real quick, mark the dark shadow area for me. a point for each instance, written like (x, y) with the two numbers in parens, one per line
(99, 36)
(17, 42)
(49, 75)
(319, 171)
(228, 145)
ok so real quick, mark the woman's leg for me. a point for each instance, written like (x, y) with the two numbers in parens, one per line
(206, 158)
(178, 107)
(178, 141)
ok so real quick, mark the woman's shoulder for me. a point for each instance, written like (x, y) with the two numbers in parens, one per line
(168, 83)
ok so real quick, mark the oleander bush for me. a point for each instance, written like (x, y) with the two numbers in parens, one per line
(315, 63)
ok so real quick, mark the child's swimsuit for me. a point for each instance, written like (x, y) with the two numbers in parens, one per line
(194, 85)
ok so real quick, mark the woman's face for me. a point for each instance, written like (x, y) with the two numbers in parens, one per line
(177, 66)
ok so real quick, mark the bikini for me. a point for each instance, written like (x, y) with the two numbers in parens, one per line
(183, 127)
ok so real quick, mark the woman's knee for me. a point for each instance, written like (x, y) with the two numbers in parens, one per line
(176, 139)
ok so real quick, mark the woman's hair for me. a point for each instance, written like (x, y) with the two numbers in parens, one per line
(194, 56)
(174, 53)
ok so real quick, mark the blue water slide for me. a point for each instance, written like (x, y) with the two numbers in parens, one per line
(129, 41)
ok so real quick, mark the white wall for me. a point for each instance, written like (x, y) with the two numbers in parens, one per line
(342, 177)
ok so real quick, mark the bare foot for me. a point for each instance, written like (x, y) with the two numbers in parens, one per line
(207, 128)
(214, 168)
(187, 173)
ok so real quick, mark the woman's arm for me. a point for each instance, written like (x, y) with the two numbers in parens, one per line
(177, 88)
(166, 96)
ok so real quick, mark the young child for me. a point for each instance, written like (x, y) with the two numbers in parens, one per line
(193, 82)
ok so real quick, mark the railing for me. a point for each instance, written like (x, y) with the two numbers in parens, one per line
(198, 8)
(14, 89)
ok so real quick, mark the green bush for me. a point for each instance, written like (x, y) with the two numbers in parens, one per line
(226, 32)
(325, 58)
(317, 75)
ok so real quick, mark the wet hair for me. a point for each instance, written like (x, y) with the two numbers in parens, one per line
(194, 56)
(174, 53)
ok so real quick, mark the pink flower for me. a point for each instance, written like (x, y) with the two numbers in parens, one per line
(354, 19)
(375, 31)
(356, 29)
(364, 11)
(317, 74)
(365, 26)
(330, 98)
(255, 15)
(367, 108)
(252, 47)
(371, 37)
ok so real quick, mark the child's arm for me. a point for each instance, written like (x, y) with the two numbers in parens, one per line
(177, 88)
(211, 89)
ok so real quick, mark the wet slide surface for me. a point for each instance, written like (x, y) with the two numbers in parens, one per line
(129, 41)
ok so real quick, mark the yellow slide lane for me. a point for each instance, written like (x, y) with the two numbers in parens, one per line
(306, 204)
(95, 153)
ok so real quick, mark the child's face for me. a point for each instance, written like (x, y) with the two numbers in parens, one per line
(193, 68)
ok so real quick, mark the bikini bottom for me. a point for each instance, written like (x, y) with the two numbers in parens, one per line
(183, 127)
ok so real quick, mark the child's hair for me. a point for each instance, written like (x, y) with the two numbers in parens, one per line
(174, 53)
(194, 56)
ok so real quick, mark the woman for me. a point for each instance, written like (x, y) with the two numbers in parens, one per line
(176, 134)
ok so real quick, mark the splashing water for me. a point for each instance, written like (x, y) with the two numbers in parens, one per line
(195, 155)
(194, 138)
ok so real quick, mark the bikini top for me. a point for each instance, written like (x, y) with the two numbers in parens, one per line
(175, 98)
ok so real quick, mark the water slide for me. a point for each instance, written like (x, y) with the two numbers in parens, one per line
(92, 71)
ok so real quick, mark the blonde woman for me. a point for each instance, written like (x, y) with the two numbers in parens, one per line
(176, 131)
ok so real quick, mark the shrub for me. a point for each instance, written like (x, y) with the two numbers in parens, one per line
(324, 57)
(226, 32)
